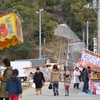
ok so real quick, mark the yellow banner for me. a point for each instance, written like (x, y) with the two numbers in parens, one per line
(10, 30)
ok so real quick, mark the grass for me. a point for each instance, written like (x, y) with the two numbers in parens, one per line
(25, 87)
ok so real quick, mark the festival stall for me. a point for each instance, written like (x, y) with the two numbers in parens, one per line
(93, 61)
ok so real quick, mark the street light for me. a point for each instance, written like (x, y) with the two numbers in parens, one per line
(39, 12)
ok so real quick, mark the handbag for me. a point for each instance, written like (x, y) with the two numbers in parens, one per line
(33, 85)
(50, 86)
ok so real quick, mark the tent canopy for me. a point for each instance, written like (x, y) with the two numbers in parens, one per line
(43, 65)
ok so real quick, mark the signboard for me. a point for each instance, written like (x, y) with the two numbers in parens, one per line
(10, 30)
(95, 45)
(91, 59)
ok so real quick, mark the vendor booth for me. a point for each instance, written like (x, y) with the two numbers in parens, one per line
(93, 61)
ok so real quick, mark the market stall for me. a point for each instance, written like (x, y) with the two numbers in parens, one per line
(93, 61)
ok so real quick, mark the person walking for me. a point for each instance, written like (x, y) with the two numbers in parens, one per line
(54, 79)
(76, 77)
(38, 79)
(31, 75)
(6, 75)
(67, 82)
(13, 87)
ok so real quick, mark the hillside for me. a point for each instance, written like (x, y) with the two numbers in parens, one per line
(70, 12)
(54, 49)
(57, 14)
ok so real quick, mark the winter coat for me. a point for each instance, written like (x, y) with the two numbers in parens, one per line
(67, 80)
(38, 79)
(55, 76)
(76, 76)
(6, 75)
(14, 86)
(85, 75)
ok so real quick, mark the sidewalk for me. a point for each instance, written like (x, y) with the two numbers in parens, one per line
(29, 94)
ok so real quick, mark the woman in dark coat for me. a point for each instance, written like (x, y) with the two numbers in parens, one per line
(38, 79)
(85, 79)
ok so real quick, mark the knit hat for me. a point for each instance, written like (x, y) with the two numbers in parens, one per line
(37, 68)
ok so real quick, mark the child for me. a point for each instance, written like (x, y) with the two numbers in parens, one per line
(67, 81)
(13, 87)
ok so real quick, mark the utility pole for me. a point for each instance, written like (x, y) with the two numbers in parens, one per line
(96, 7)
(39, 12)
(67, 56)
(60, 53)
(44, 47)
(83, 38)
(98, 29)
(87, 34)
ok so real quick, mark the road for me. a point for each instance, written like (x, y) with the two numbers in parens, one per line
(47, 94)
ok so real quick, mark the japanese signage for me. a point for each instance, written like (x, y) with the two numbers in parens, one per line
(10, 30)
(95, 45)
(91, 59)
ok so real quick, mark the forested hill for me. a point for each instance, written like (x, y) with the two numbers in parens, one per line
(55, 12)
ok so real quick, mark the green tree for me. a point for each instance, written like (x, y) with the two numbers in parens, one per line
(27, 10)
(51, 2)
(48, 26)
(77, 16)
(21, 51)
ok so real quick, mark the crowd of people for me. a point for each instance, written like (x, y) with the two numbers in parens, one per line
(11, 84)
(82, 76)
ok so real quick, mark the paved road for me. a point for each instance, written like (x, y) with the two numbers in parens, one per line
(47, 94)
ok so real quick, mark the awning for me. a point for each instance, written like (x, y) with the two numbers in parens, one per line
(35, 66)
(10, 30)
(42, 65)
